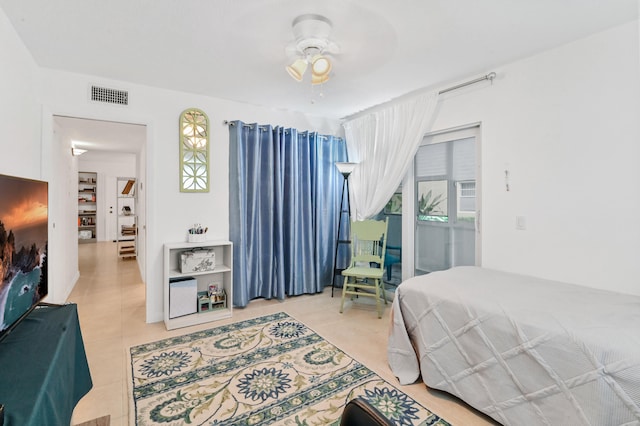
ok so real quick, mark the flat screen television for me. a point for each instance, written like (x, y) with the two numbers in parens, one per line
(24, 228)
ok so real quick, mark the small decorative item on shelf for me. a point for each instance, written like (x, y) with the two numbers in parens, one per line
(220, 302)
(217, 296)
(197, 234)
(213, 289)
(204, 302)
(126, 210)
(208, 302)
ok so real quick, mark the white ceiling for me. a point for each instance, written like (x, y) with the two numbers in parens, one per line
(235, 49)
(102, 137)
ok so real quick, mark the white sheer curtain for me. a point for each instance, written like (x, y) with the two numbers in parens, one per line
(383, 143)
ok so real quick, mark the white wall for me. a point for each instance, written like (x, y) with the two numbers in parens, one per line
(63, 216)
(566, 124)
(22, 155)
(19, 110)
(169, 213)
(141, 168)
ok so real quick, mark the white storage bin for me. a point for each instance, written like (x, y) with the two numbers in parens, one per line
(183, 296)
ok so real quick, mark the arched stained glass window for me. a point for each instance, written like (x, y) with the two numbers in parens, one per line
(194, 151)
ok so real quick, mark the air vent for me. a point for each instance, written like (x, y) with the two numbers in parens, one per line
(110, 96)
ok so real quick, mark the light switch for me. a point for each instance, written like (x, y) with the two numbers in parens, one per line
(521, 223)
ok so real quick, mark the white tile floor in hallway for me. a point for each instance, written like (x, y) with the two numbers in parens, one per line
(111, 305)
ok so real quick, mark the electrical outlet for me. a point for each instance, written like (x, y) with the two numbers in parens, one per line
(521, 223)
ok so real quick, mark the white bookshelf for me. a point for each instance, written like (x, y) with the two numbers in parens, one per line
(126, 223)
(87, 211)
(222, 274)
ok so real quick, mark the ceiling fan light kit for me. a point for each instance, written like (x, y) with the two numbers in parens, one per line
(311, 45)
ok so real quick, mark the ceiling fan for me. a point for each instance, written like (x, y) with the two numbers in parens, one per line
(310, 48)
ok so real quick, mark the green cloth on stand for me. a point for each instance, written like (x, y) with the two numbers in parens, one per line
(43, 368)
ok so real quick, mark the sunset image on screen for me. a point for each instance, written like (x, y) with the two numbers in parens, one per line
(29, 207)
(23, 247)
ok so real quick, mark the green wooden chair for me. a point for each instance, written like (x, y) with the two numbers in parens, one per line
(364, 275)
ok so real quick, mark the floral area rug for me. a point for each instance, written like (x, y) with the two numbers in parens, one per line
(267, 370)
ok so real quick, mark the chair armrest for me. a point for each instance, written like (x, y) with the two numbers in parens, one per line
(358, 412)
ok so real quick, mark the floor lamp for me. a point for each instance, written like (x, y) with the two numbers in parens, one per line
(345, 169)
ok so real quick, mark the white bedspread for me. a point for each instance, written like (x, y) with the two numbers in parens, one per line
(523, 350)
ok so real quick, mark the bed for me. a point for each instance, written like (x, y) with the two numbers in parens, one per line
(522, 350)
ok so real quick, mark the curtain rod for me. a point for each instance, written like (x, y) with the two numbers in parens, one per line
(232, 123)
(489, 77)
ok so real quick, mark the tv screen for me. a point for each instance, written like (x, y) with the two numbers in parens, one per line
(23, 248)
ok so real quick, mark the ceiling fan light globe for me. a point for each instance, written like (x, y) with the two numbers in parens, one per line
(297, 68)
(320, 65)
(319, 79)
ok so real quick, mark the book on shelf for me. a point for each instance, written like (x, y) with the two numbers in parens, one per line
(128, 187)
(128, 230)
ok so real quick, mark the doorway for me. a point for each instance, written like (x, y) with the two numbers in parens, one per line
(444, 208)
(112, 149)
(393, 255)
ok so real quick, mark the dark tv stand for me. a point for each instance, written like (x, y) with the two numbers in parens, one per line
(47, 304)
(43, 367)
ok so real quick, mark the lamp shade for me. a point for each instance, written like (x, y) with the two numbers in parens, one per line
(296, 70)
(346, 168)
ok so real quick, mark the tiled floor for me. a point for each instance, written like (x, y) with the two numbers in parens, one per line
(111, 304)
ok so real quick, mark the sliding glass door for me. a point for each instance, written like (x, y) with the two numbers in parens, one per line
(445, 202)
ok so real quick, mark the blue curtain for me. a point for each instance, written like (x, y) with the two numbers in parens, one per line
(284, 195)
